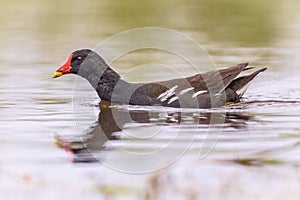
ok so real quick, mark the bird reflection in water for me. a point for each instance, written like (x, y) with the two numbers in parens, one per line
(111, 121)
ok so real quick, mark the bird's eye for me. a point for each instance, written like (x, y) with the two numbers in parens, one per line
(79, 58)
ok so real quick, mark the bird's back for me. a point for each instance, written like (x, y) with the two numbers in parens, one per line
(201, 90)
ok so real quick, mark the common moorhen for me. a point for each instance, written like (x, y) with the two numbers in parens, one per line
(211, 89)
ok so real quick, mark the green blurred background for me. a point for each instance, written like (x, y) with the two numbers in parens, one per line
(230, 23)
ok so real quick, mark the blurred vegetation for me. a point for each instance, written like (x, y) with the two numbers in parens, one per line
(246, 23)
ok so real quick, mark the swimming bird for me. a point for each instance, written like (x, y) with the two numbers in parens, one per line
(206, 90)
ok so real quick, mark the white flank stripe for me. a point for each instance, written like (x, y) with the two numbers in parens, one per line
(218, 94)
(198, 93)
(186, 90)
(172, 100)
(167, 94)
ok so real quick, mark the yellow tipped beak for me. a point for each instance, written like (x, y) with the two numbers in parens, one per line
(57, 74)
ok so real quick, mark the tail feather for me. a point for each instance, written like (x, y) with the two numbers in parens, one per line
(248, 68)
(241, 84)
(229, 74)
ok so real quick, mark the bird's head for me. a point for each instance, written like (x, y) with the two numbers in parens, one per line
(79, 61)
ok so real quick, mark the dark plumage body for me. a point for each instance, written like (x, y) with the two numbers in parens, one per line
(206, 90)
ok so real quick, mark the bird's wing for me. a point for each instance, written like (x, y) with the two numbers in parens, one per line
(209, 80)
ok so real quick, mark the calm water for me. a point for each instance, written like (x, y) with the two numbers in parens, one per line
(255, 154)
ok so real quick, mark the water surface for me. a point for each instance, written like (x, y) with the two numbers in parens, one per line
(42, 156)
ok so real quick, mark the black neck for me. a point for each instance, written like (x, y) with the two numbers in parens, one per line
(111, 84)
